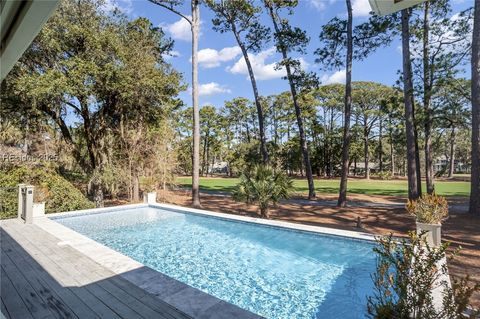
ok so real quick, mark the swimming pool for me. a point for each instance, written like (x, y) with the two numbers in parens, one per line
(273, 272)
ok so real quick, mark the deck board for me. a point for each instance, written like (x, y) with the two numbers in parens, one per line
(3, 311)
(77, 268)
(44, 278)
(82, 301)
(64, 279)
(71, 300)
(41, 300)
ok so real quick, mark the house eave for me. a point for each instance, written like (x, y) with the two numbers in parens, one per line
(21, 21)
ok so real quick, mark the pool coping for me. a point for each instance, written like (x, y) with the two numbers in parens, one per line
(190, 300)
(349, 234)
(185, 298)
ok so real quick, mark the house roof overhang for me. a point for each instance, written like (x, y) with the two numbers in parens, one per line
(20, 22)
(384, 7)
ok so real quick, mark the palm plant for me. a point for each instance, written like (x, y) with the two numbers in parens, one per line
(264, 186)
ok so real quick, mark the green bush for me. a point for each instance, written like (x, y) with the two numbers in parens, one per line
(384, 175)
(263, 186)
(59, 194)
(406, 273)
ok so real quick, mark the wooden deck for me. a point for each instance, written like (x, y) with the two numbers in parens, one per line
(44, 278)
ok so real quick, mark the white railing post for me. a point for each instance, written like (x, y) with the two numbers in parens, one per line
(20, 200)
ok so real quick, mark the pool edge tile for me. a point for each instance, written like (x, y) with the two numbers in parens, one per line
(162, 286)
(192, 301)
(349, 234)
(223, 308)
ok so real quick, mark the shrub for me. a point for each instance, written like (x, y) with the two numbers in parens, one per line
(405, 275)
(148, 184)
(262, 185)
(384, 175)
(59, 194)
(429, 208)
(40, 193)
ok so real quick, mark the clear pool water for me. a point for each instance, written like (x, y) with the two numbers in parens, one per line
(273, 272)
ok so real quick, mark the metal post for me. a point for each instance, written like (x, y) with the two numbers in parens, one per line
(20, 200)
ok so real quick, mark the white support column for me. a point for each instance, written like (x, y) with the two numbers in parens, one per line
(150, 198)
(25, 203)
(29, 204)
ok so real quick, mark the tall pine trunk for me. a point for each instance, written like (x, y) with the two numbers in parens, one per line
(366, 154)
(409, 109)
(204, 166)
(298, 111)
(417, 153)
(196, 110)
(427, 88)
(261, 120)
(392, 155)
(97, 191)
(380, 145)
(475, 177)
(355, 166)
(135, 186)
(342, 196)
(451, 166)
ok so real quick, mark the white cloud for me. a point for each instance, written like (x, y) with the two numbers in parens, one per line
(262, 69)
(171, 54)
(211, 58)
(447, 39)
(460, 40)
(179, 30)
(304, 64)
(317, 4)
(212, 88)
(320, 5)
(336, 77)
(361, 8)
(125, 6)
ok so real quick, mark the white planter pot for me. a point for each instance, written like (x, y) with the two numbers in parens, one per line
(38, 209)
(433, 233)
(150, 198)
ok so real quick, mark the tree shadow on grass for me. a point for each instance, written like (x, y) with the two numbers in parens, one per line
(334, 190)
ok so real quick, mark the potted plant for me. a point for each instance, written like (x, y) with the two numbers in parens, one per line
(429, 210)
(40, 195)
(149, 190)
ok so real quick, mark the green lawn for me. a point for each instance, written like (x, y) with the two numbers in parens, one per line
(358, 186)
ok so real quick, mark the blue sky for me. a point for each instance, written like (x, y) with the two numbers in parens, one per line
(222, 71)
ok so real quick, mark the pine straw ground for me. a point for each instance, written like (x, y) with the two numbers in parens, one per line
(460, 229)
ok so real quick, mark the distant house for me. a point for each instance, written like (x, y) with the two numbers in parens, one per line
(360, 168)
(219, 168)
(441, 163)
